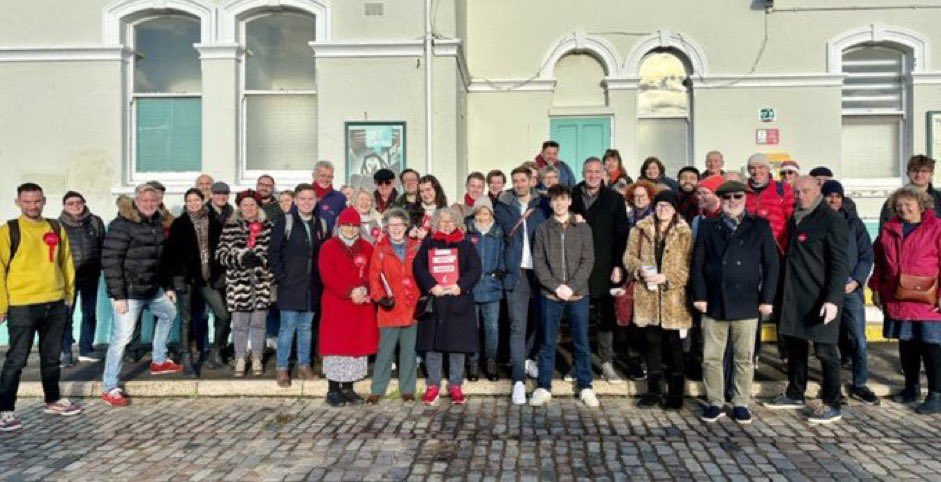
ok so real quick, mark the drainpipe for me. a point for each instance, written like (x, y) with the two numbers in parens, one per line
(429, 113)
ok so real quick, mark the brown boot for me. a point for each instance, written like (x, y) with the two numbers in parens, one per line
(408, 397)
(372, 399)
(284, 378)
(306, 373)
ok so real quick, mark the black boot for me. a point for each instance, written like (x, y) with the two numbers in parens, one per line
(492, 370)
(931, 405)
(189, 368)
(351, 397)
(654, 396)
(214, 360)
(473, 371)
(334, 397)
(675, 389)
(908, 395)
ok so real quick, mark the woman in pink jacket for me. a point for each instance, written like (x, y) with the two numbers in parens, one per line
(905, 285)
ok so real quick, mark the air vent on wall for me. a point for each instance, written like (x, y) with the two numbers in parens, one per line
(373, 9)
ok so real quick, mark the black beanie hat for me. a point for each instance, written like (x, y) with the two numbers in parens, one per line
(72, 194)
(668, 196)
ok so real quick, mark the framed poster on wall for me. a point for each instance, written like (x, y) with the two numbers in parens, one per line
(371, 146)
(934, 133)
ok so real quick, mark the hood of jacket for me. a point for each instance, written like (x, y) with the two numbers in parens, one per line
(127, 209)
(73, 221)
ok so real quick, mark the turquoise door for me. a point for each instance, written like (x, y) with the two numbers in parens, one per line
(580, 138)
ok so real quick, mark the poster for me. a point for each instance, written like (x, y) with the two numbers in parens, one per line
(371, 146)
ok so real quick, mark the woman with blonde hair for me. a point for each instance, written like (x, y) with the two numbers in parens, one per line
(364, 203)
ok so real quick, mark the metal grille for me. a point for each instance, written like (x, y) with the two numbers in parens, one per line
(874, 81)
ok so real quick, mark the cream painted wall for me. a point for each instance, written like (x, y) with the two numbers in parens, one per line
(515, 126)
(50, 22)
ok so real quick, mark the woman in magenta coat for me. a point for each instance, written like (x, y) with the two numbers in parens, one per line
(348, 330)
(910, 245)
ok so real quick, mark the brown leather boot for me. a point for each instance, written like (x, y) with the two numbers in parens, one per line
(306, 373)
(408, 397)
(284, 379)
(373, 399)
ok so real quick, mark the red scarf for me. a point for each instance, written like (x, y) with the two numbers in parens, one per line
(614, 176)
(321, 191)
(455, 237)
(541, 161)
(469, 201)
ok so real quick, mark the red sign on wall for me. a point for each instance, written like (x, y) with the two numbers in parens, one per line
(769, 137)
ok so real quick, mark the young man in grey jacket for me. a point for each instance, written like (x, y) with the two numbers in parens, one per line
(563, 256)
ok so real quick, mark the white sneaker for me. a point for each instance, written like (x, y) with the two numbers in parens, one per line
(519, 393)
(570, 376)
(588, 397)
(532, 369)
(540, 397)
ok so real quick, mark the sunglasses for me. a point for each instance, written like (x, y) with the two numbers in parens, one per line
(735, 196)
(788, 173)
(383, 183)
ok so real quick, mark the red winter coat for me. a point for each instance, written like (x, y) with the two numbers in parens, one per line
(778, 209)
(399, 275)
(918, 254)
(346, 329)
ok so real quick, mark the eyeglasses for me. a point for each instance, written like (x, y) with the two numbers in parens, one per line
(75, 203)
(737, 196)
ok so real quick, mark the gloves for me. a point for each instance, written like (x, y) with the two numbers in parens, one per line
(251, 260)
(386, 303)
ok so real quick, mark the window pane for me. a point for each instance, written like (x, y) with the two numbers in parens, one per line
(667, 139)
(873, 79)
(169, 134)
(281, 131)
(871, 146)
(661, 91)
(279, 57)
(165, 60)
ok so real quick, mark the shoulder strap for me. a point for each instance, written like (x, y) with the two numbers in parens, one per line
(56, 227)
(520, 222)
(14, 237)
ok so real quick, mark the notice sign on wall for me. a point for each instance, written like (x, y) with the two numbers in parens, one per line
(767, 137)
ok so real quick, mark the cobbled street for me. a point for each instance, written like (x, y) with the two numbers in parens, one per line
(487, 439)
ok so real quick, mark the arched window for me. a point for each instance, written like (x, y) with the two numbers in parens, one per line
(579, 82)
(876, 111)
(664, 123)
(166, 103)
(279, 102)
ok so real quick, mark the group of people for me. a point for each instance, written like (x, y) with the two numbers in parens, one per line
(671, 273)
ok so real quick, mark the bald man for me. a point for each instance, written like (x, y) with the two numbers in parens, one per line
(204, 184)
(815, 271)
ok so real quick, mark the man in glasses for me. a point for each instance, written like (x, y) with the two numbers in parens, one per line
(385, 193)
(734, 278)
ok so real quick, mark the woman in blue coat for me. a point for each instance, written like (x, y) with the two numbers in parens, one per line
(487, 237)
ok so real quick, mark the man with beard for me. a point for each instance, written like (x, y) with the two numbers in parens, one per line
(269, 202)
(688, 179)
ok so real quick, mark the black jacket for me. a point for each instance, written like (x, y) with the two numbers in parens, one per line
(815, 272)
(607, 218)
(86, 236)
(221, 217)
(181, 256)
(131, 254)
(453, 326)
(294, 262)
(734, 272)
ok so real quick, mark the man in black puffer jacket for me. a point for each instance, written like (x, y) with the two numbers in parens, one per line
(86, 234)
(131, 262)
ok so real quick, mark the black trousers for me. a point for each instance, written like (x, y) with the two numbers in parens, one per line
(829, 356)
(664, 354)
(601, 314)
(23, 323)
(912, 353)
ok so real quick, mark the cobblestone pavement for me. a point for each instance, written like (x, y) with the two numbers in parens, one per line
(487, 439)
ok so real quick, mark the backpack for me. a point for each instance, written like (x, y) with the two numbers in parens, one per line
(14, 226)
(289, 226)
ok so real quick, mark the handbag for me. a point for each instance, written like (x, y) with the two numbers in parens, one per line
(425, 306)
(624, 305)
(917, 288)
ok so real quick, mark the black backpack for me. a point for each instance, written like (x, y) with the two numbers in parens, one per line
(14, 226)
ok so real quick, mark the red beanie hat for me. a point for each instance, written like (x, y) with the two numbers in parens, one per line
(712, 182)
(349, 216)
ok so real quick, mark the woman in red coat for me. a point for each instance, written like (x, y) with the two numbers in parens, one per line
(909, 246)
(348, 331)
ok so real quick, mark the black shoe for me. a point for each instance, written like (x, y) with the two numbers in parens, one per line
(673, 402)
(473, 372)
(336, 399)
(189, 368)
(635, 371)
(493, 371)
(907, 395)
(846, 363)
(214, 360)
(931, 405)
(350, 396)
(864, 395)
(649, 400)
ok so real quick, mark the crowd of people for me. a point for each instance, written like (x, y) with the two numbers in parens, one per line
(672, 277)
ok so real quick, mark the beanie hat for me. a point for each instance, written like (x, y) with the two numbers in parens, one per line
(483, 202)
(712, 183)
(72, 194)
(831, 187)
(248, 193)
(349, 217)
(821, 171)
(667, 196)
(791, 165)
(759, 159)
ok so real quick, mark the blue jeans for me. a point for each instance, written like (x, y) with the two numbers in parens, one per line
(577, 314)
(87, 290)
(273, 323)
(122, 328)
(292, 322)
(488, 316)
(853, 317)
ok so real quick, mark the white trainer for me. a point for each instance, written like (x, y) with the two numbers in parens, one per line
(519, 393)
(588, 397)
(532, 369)
(540, 397)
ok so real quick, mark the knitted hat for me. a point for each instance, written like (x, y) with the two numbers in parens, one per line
(712, 183)
(667, 196)
(728, 187)
(830, 187)
(72, 194)
(821, 171)
(759, 159)
(481, 203)
(791, 165)
(349, 217)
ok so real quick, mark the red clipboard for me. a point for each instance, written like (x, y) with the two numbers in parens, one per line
(443, 265)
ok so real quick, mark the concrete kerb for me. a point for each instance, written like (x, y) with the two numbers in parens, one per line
(318, 388)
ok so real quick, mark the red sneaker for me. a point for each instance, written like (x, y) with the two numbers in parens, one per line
(431, 395)
(115, 397)
(165, 368)
(457, 395)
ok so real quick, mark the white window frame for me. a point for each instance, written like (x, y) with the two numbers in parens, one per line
(281, 176)
(688, 117)
(133, 176)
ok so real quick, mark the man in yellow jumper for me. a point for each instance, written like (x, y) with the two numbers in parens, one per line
(37, 282)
